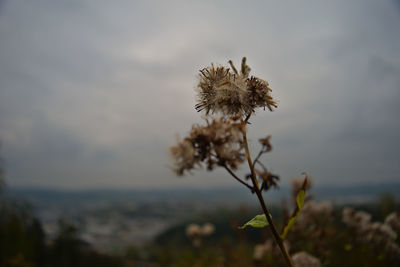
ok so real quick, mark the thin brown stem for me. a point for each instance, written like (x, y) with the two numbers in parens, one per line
(238, 179)
(247, 117)
(275, 233)
(258, 156)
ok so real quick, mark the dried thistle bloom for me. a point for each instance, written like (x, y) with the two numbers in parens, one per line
(219, 143)
(258, 94)
(231, 92)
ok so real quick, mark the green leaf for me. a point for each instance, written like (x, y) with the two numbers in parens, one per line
(301, 196)
(300, 203)
(258, 221)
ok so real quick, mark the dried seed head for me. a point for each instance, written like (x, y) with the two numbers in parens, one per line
(268, 180)
(219, 143)
(184, 155)
(230, 92)
(259, 94)
(265, 142)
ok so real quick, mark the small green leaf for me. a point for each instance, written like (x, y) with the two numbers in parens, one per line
(300, 203)
(300, 198)
(258, 221)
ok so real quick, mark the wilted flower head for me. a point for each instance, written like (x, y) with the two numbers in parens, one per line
(219, 143)
(265, 142)
(267, 179)
(231, 92)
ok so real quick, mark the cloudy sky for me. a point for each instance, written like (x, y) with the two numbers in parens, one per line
(92, 93)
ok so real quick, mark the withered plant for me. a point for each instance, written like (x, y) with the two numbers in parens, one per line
(229, 98)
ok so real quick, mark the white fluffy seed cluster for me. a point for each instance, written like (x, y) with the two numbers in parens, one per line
(260, 250)
(196, 232)
(376, 233)
(232, 93)
(303, 259)
(268, 247)
(315, 211)
(393, 220)
(300, 259)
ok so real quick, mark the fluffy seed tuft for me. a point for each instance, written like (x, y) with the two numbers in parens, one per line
(232, 93)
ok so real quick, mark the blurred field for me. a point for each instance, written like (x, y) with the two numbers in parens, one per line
(131, 230)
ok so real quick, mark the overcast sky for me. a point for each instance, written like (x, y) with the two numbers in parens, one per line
(92, 93)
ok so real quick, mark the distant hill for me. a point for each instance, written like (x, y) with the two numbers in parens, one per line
(110, 218)
(230, 195)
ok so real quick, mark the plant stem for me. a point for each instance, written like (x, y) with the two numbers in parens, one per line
(238, 179)
(277, 237)
(258, 156)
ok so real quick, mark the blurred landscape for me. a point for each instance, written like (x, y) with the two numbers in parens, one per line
(140, 227)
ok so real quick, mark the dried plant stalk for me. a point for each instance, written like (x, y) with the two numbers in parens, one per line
(232, 97)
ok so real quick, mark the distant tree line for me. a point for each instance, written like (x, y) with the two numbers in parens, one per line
(23, 242)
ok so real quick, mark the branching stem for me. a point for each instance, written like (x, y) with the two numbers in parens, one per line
(238, 179)
(258, 156)
(253, 176)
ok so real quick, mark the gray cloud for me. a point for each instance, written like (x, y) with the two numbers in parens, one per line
(93, 93)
